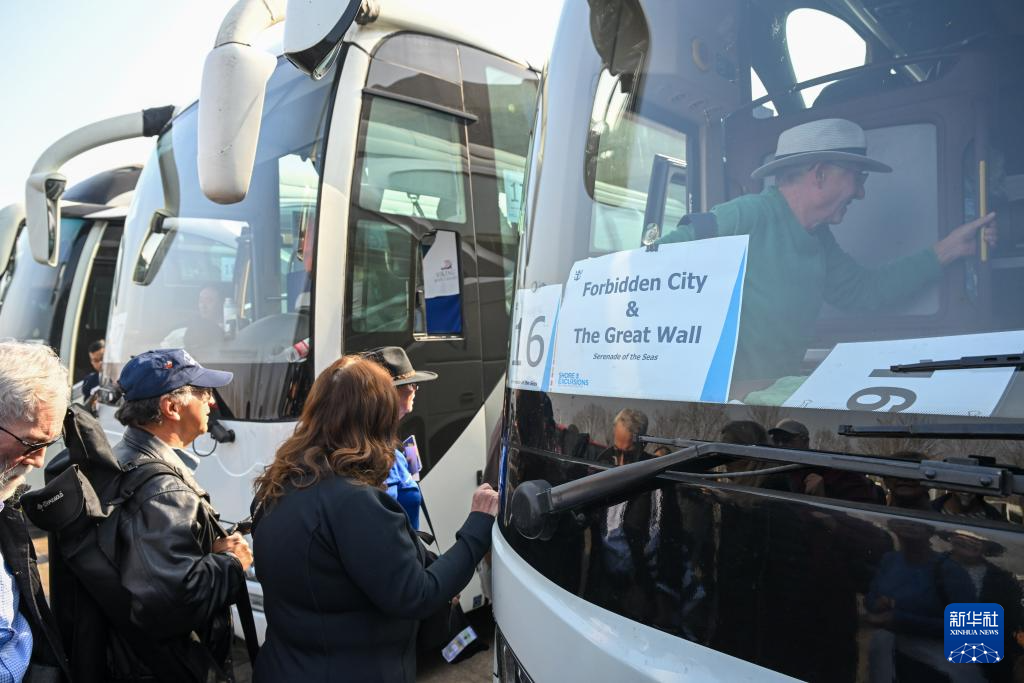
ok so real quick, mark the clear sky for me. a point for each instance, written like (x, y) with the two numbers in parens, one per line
(70, 63)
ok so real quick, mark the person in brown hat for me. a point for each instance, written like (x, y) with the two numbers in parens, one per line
(401, 481)
(791, 434)
(821, 481)
(795, 264)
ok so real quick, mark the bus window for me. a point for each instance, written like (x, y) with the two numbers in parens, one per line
(888, 270)
(381, 285)
(412, 163)
(820, 43)
(503, 96)
(232, 281)
(620, 152)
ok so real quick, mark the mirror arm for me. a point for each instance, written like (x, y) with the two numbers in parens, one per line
(46, 184)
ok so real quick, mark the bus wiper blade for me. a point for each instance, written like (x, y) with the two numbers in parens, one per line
(1011, 431)
(1015, 360)
(536, 504)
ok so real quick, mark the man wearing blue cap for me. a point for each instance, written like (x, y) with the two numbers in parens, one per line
(181, 573)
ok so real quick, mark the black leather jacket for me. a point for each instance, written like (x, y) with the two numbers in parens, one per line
(180, 591)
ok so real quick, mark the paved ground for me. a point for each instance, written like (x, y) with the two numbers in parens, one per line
(475, 669)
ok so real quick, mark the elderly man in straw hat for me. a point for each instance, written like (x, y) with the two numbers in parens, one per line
(796, 265)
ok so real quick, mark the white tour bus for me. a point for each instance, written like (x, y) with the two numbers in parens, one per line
(55, 286)
(763, 430)
(286, 219)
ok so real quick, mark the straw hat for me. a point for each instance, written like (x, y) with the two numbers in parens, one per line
(821, 140)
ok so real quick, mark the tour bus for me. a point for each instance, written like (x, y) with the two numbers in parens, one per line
(731, 452)
(374, 204)
(55, 287)
(66, 306)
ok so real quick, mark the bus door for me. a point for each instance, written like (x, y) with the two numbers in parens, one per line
(503, 96)
(411, 266)
(91, 288)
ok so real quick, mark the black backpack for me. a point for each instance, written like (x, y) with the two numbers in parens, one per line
(86, 490)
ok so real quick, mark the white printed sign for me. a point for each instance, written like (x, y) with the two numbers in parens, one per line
(652, 324)
(441, 266)
(533, 325)
(856, 376)
(513, 191)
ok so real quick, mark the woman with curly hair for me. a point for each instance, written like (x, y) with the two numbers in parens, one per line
(343, 573)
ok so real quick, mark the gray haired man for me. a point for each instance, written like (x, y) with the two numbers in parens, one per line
(625, 449)
(33, 400)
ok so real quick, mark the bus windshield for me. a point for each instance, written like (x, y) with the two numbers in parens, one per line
(773, 206)
(230, 283)
(29, 291)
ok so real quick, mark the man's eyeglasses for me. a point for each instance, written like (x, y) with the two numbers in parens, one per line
(29, 446)
(202, 393)
(413, 386)
(860, 177)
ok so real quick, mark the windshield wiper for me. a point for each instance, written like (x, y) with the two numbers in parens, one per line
(1015, 360)
(536, 503)
(1011, 431)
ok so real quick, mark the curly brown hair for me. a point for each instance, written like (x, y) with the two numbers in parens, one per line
(348, 428)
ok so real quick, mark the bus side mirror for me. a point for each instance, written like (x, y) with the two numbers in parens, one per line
(442, 283)
(42, 214)
(230, 108)
(313, 32)
(11, 218)
(162, 229)
(45, 185)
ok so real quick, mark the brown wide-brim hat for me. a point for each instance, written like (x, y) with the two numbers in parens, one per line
(824, 140)
(395, 361)
(790, 427)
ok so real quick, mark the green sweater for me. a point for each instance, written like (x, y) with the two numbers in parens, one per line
(791, 272)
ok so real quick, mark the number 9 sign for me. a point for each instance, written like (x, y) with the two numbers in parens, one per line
(533, 324)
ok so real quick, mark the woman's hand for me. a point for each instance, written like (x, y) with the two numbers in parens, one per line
(485, 499)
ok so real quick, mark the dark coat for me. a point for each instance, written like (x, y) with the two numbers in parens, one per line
(344, 583)
(20, 556)
(179, 591)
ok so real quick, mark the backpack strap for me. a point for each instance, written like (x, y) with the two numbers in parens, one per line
(433, 534)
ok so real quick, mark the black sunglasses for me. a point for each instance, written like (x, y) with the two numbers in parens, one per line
(32, 447)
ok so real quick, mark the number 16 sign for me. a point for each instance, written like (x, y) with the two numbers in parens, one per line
(533, 326)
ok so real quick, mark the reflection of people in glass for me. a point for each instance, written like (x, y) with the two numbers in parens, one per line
(906, 602)
(533, 418)
(906, 493)
(795, 263)
(966, 504)
(992, 584)
(822, 481)
(625, 449)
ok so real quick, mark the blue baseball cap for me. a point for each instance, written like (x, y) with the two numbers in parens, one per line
(155, 373)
